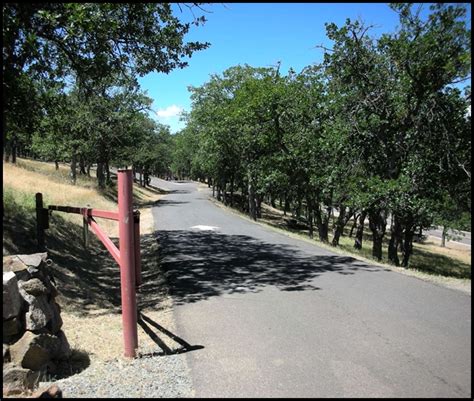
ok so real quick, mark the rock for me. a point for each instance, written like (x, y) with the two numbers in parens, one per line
(34, 287)
(17, 379)
(12, 263)
(25, 266)
(11, 329)
(52, 391)
(39, 313)
(53, 292)
(29, 353)
(56, 321)
(64, 351)
(34, 260)
(11, 296)
(34, 351)
(6, 353)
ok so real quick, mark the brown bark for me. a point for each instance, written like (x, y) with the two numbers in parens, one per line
(395, 240)
(73, 173)
(407, 245)
(341, 222)
(322, 222)
(377, 224)
(82, 166)
(360, 230)
(354, 224)
(100, 175)
(251, 198)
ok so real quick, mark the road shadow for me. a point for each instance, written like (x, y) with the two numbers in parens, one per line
(166, 202)
(156, 189)
(178, 191)
(200, 265)
(147, 323)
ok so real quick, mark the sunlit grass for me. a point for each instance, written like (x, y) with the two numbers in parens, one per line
(428, 256)
(28, 177)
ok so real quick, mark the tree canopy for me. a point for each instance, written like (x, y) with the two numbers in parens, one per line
(377, 131)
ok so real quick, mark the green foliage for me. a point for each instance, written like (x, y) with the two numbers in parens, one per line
(98, 49)
(377, 127)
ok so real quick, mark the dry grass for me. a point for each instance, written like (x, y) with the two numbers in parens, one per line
(31, 177)
(100, 335)
(452, 250)
(56, 192)
(431, 245)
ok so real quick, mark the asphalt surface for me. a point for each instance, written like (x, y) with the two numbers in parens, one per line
(280, 317)
(464, 238)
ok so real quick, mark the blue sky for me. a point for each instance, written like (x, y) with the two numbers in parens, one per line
(258, 34)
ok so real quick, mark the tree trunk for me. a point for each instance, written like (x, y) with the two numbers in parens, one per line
(341, 222)
(310, 218)
(287, 206)
(252, 208)
(108, 181)
(14, 149)
(298, 209)
(6, 145)
(232, 193)
(56, 165)
(82, 166)
(407, 245)
(377, 224)
(354, 224)
(146, 178)
(258, 206)
(443, 236)
(6, 154)
(251, 198)
(360, 230)
(73, 173)
(88, 171)
(322, 222)
(395, 239)
(100, 175)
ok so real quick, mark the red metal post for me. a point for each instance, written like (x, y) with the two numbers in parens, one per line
(138, 263)
(127, 262)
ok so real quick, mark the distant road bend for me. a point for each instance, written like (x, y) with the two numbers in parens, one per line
(281, 317)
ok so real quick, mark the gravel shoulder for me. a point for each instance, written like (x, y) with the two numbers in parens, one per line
(152, 375)
(95, 334)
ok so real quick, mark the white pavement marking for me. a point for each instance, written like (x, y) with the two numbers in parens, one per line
(204, 228)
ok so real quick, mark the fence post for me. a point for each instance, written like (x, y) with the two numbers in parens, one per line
(39, 221)
(136, 238)
(85, 228)
(127, 261)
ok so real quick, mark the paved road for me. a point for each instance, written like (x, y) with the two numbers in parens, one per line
(280, 317)
(464, 238)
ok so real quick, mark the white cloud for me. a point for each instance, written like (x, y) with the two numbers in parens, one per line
(170, 111)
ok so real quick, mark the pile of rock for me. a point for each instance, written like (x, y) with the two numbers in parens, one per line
(33, 343)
